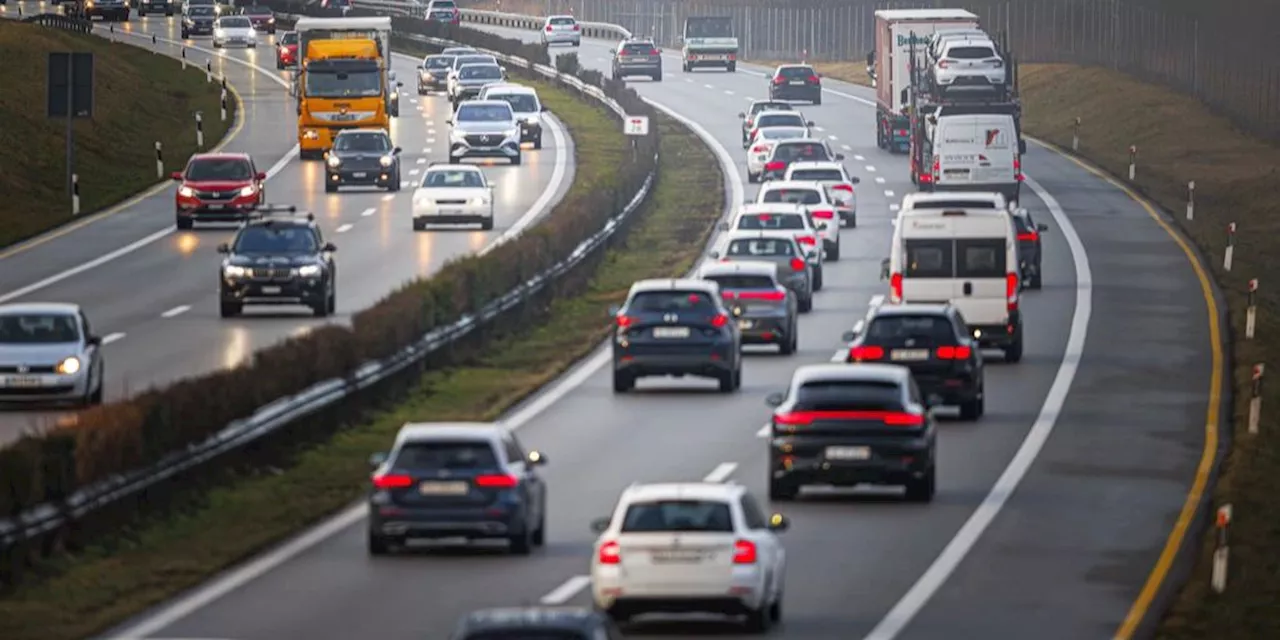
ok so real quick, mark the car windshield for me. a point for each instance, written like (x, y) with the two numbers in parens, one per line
(371, 142)
(772, 222)
(848, 395)
(459, 61)
(346, 84)
(201, 11)
(437, 62)
(807, 151)
(219, 169)
(782, 133)
(480, 71)
(484, 113)
(761, 247)
(817, 175)
(38, 328)
(275, 240)
(936, 328)
(525, 633)
(970, 53)
(520, 102)
(770, 106)
(795, 73)
(453, 178)
(442, 4)
(743, 281)
(678, 515)
(256, 11)
(563, 21)
(793, 196)
(780, 120)
(446, 455)
(667, 301)
(234, 23)
(290, 37)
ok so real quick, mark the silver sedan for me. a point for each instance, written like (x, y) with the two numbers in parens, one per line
(49, 354)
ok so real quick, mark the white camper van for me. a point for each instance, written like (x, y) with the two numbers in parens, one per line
(975, 152)
(965, 257)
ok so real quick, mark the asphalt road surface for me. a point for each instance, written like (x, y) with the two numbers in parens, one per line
(150, 289)
(1050, 511)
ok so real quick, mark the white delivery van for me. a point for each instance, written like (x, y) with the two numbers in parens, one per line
(975, 152)
(965, 257)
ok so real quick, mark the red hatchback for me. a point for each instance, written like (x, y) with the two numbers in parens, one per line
(218, 187)
(287, 50)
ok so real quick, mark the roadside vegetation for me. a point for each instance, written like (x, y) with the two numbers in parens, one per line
(140, 98)
(102, 585)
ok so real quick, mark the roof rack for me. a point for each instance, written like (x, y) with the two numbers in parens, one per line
(279, 210)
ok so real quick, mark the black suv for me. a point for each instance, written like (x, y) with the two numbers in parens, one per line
(675, 327)
(637, 57)
(278, 260)
(457, 480)
(845, 425)
(198, 20)
(1029, 247)
(932, 341)
(547, 623)
(796, 82)
(362, 157)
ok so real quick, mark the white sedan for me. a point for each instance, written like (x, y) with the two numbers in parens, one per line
(696, 547)
(837, 181)
(453, 194)
(232, 30)
(758, 152)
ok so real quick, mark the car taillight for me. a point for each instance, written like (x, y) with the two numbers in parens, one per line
(937, 169)
(392, 481)
(954, 353)
(719, 320)
(577, 27)
(625, 321)
(900, 132)
(890, 418)
(943, 64)
(497, 481)
(813, 79)
(857, 354)
(1031, 236)
(825, 215)
(744, 552)
(1017, 168)
(760, 148)
(797, 264)
(610, 553)
(776, 165)
(809, 240)
(550, 28)
(843, 187)
(779, 80)
(772, 296)
(654, 52)
(1011, 290)
(895, 287)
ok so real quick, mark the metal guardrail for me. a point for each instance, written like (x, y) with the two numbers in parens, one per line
(267, 419)
(603, 30)
(59, 21)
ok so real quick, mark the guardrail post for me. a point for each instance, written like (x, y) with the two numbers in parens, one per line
(159, 162)
(1191, 200)
(223, 103)
(1255, 398)
(75, 194)
(182, 54)
(208, 70)
(154, 45)
(199, 130)
(1075, 135)
(1230, 253)
(1133, 161)
(1223, 522)
(1251, 310)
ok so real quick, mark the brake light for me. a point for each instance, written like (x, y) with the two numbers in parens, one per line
(577, 27)
(392, 481)
(954, 353)
(654, 52)
(779, 80)
(866, 353)
(1028, 237)
(719, 320)
(890, 418)
(761, 148)
(895, 287)
(772, 296)
(825, 215)
(943, 64)
(1017, 168)
(625, 321)
(549, 28)
(843, 187)
(903, 420)
(610, 553)
(814, 79)
(497, 481)
(806, 240)
(744, 552)
(937, 169)
(776, 165)
(1011, 290)
(797, 264)
(900, 132)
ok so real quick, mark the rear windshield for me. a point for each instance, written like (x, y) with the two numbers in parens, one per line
(480, 71)
(928, 259)
(818, 175)
(761, 247)
(525, 634)
(780, 120)
(442, 4)
(637, 49)
(936, 328)
(563, 21)
(446, 455)
(461, 60)
(667, 301)
(290, 37)
(438, 62)
(797, 151)
(796, 72)
(782, 133)
(772, 222)
(970, 53)
(849, 395)
(739, 281)
(771, 106)
(793, 196)
(955, 204)
(678, 515)
(980, 258)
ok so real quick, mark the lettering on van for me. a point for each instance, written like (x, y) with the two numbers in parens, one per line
(913, 39)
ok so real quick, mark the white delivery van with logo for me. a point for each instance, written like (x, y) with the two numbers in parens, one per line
(976, 152)
(967, 258)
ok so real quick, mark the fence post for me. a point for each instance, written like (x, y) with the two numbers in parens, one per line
(223, 101)
(208, 70)
(1230, 253)
(1251, 311)
(159, 162)
(1075, 135)
(1133, 161)
(1219, 578)
(1255, 398)
(75, 194)
(199, 130)
(1191, 200)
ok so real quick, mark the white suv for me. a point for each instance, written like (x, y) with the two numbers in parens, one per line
(695, 547)
(969, 64)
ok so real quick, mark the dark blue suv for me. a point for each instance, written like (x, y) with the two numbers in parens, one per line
(457, 480)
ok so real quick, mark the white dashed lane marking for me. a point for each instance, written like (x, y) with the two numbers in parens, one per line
(367, 212)
(871, 169)
(112, 337)
(176, 311)
(344, 228)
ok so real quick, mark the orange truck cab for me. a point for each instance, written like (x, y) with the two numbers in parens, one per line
(343, 80)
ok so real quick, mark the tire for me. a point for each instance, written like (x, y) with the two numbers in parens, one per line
(487, 225)
(185, 35)
(881, 140)
(973, 409)
(279, 65)
(518, 159)
(378, 545)
(753, 177)
(1035, 283)
(141, 13)
(657, 77)
(782, 492)
(789, 347)
(332, 304)
(537, 142)
(737, 377)
(184, 223)
(726, 382)
(1013, 353)
(806, 304)
(395, 183)
(95, 397)
(922, 490)
(760, 620)
(834, 255)
(230, 309)
(419, 225)
(733, 67)
(522, 543)
(540, 534)
(216, 45)
(817, 280)
(330, 187)
(622, 382)
(320, 309)
(817, 100)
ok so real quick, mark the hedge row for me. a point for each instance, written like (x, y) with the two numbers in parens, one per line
(127, 435)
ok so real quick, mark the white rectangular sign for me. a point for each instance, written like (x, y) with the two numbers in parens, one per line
(636, 126)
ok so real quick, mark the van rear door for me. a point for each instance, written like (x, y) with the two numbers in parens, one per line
(975, 150)
(981, 250)
(928, 265)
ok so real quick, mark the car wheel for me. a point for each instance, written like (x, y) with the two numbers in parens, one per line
(95, 397)
(922, 490)
(330, 187)
(760, 620)
(184, 34)
(141, 13)
(517, 160)
(622, 382)
(419, 225)
(537, 142)
(183, 223)
(487, 224)
(817, 100)
(522, 543)
(789, 346)
(753, 177)
(817, 280)
(806, 304)
(726, 381)
(230, 309)
(320, 309)
(216, 45)
(834, 254)
(971, 409)
(1035, 282)
(737, 378)
(782, 491)
(378, 545)
(540, 534)
(775, 610)
(279, 64)
(332, 304)
(1013, 353)
(395, 182)
(657, 77)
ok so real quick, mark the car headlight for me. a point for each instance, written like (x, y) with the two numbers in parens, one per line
(69, 366)
(234, 271)
(219, 32)
(333, 161)
(248, 191)
(186, 192)
(385, 161)
(271, 20)
(456, 134)
(311, 134)
(512, 133)
(479, 201)
(309, 271)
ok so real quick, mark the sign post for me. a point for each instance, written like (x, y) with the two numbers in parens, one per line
(635, 127)
(70, 96)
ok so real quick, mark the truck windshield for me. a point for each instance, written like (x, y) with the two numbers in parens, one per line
(346, 84)
(709, 28)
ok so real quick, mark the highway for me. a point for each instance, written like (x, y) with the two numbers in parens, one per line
(1050, 513)
(150, 289)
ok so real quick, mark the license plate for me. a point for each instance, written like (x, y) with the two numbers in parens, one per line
(909, 354)
(797, 82)
(451, 212)
(848, 453)
(691, 557)
(215, 207)
(23, 382)
(744, 324)
(444, 488)
(270, 290)
(671, 332)
(359, 174)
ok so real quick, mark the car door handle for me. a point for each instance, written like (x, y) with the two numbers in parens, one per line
(968, 288)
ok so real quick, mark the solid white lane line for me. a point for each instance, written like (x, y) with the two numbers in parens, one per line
(721, 472)
(565, 592)
(544, 201)
(933, 578)
(344, 228)
(176, 311)
(368, 212)
(112, 337)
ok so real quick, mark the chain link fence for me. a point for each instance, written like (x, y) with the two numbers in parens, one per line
(1220, 59)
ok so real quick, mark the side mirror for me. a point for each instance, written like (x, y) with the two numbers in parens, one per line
(378, 459)
(839, 156)
(176, 175)
(855, 180)
(809, 123)
(224, 248)
(884, 269)
(600, 525)
(613, 310)
(1022, 147)
(328, 247)
(93, 341)
(742, 116)
(399, 84)
(536, 458)
(262, 175)
(775, 399)
(1042, 227)
(714, 255)
(779, 523)
(723, 226)
(397, 150)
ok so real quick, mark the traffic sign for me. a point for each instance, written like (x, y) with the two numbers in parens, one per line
(636, 126)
